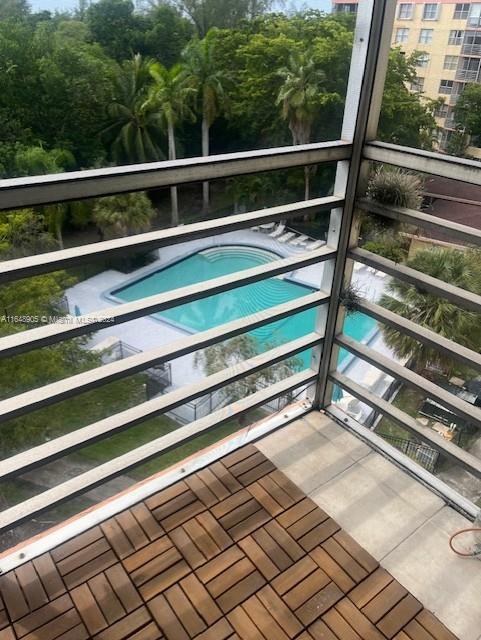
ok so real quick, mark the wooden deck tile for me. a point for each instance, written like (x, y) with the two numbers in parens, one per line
(233, 552)
(432, 624)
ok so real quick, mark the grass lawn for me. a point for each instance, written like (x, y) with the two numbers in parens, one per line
(408, 400)
(121, 443)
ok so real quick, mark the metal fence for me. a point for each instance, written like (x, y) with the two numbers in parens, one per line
(353, 153)
(420, 453)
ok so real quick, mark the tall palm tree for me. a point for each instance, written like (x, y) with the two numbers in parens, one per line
(455, 267)
(172, 98)
(202, 72)
(135, 127)
(299, 97)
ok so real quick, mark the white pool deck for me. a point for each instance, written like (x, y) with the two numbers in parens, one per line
(147, 333)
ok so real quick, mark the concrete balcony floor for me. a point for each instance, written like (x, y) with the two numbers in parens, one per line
(308, 535)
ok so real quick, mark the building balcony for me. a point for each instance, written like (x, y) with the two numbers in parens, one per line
(471, 50)
(467, 75)
(279, 509)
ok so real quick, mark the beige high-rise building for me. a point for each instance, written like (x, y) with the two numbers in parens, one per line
(449, 35)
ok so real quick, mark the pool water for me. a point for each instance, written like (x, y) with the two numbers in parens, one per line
(212, 311)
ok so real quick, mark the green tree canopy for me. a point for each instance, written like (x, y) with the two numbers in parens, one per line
(235, 352)
(406, 118)
(116, 27)
(206, 14)
(460, 268)
(467, 111)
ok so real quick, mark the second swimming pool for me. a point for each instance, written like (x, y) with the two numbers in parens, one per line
(212, 311)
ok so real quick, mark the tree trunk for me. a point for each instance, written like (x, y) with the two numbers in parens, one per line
(173, 190)
(59, 234)
(205, 152)
(307, 183)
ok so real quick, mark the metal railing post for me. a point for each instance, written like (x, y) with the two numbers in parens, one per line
(372, 43)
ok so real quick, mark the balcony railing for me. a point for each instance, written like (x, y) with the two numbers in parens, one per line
(471, 50)
(450, 123)
(353, 154)
(469, 75)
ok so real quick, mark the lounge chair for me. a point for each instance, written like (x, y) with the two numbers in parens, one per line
(299, 240)
(315, 245)
(278, 231)
(268, 226)
(286, 237)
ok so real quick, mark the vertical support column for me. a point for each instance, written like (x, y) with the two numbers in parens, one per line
(372, 43)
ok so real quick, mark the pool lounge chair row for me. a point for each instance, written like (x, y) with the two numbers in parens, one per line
(294, 239)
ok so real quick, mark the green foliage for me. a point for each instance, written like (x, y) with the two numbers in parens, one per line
(13, 9)
(55, 87)
(123, 215)
(32, 161)
(135, 129)
(67, 79)
(301, 94)
(24, 233)
(467, 113)
(225, 14)
(406, 118)
(350, 298)
(113, 25)
(234, 352)
(203, 74)
(388, 245)
(171, 96)
(459, 268)
(168, 35)
(255, 54)
(395, 187)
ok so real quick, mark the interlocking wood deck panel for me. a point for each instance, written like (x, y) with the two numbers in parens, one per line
(233, 552)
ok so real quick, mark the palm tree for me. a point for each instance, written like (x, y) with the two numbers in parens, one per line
(452, 266)
(299, 97)
(172, 98)
(202, 72)
(135, 127)
(123, 215)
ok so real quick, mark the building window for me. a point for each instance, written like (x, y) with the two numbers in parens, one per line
(442, 111)
(430, 11)
(474, 18)
(406, 11)
(423, 60)
(426, 36)
(450, 63)
(443, 138)
(455, 36)
(346, 7)
(402, 35)
(417, 84)
(446, 86)
(461, 11)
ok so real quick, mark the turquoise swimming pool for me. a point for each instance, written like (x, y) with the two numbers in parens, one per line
(204, 314)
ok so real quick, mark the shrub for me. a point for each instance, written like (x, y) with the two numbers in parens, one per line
(395, 187)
